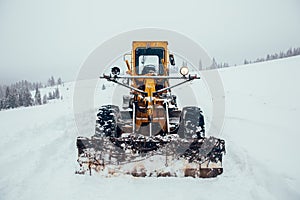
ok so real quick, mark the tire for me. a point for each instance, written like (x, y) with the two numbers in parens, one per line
(191, 123)
(106, 122)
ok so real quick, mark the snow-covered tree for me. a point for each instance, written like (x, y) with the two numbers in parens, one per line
(51, 81)
(6, 103)
(200, 65)
(1, 104)
(11, 98)
(27, 98)
(20, 99)
(59, 81)
(289, 52)
(7, 92)
(50, 96)
(214, 64)
(45, 99)
(37, 97)
(1, 92)
(56, 93)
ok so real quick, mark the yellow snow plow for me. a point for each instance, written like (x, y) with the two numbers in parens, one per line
(149, 135)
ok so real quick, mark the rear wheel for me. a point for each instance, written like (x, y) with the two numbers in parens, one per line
(191, 123)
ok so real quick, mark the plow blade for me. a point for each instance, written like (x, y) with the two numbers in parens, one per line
(167, 156)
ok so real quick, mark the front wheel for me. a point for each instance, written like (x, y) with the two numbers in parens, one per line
(106, 122)
(191, 123)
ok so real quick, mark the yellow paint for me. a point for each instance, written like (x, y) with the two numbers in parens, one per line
(145, 44)
(155, 108)
(149, 86)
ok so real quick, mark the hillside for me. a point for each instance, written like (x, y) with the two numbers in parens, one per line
(38, 158)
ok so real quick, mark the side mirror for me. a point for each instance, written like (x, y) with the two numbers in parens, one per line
(172, 60)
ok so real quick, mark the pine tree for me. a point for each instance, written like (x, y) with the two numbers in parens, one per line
(214, 64)
(49, 82)
(20, 98)
(6, 104)
(11, 98)
(1, 92)
(281, 54)
(1, 104)
(16, 98)
(59, 82)
(103, 87)
(200, 65)
(37, 97)
(52, 81)
(50, 96)
(289, 52)
(56, 93)
(27, 98)
(7, 92)
(45, 99)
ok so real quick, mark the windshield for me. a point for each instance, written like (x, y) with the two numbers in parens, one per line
(148, 64)
(149, 60)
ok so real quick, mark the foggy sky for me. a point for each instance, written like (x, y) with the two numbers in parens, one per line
(43, 38)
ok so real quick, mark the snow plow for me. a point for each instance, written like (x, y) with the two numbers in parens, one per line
(149, 135)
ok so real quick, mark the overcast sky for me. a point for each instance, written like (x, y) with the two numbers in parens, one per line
(39, 38)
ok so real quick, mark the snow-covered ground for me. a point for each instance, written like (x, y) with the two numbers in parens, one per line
(38, 152)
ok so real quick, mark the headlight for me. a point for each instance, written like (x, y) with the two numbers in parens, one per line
(184, 71)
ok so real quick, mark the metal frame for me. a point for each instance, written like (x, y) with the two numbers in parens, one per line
(115, 78)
